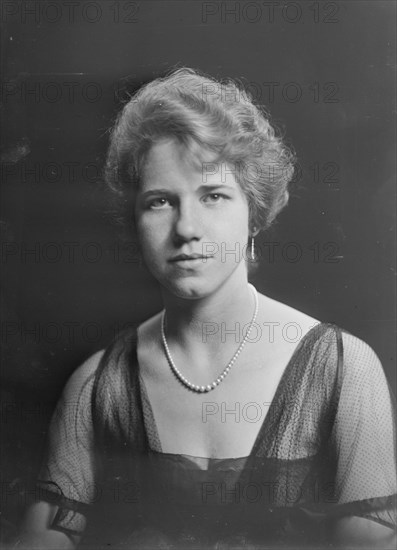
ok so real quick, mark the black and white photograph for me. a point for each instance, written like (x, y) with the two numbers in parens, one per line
(198, 274)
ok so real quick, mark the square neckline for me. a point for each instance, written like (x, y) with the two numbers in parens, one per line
(149, 417)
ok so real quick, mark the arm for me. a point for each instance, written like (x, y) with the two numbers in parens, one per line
(36, 532)
(357, 532)
(67, 472)
(365, 443)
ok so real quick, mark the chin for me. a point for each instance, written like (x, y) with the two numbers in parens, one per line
(189, 289)
(195, 286)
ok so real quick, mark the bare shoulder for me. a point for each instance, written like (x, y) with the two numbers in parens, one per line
(290, 323)
(148, 330)
(148, 348)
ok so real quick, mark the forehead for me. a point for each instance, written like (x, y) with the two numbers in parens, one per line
(169, 160)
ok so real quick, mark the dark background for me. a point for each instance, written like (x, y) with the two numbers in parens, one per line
(331, 68)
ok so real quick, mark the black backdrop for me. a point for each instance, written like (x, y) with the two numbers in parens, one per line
(326, 72)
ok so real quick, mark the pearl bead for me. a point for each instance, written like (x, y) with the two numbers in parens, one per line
(213, 385)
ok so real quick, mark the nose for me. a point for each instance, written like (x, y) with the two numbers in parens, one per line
(188, 225)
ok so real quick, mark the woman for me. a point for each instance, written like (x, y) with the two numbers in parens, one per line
(204, 428)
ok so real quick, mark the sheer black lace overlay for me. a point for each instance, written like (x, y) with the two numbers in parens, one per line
(326, 450)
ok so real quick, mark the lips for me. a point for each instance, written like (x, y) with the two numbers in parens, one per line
(189, 257)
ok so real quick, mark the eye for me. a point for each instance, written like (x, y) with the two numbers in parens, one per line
(214, 197)
(158, 203)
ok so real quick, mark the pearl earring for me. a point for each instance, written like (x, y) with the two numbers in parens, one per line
(252, 254)
(252, 249)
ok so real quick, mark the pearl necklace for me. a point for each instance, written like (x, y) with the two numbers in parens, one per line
(221, 377)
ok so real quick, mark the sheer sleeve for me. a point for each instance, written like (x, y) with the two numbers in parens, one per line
(364, 436)
(67, 476)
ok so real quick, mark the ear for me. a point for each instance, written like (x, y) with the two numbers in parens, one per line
(254, 231)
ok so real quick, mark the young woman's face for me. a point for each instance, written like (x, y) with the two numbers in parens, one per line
(193, 223)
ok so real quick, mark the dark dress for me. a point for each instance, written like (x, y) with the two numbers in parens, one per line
(325, 450)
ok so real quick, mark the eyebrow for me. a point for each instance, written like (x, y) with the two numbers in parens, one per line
(201, 189)
(220, 186)
(151, 192)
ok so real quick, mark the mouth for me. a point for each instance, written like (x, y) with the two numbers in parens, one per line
(189, 258)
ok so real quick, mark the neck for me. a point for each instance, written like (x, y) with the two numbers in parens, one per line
(211, 319)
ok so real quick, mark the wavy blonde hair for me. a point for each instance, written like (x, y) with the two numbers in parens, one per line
(202, 113)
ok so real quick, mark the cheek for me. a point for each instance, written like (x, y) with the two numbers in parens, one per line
(239, 223)
(150, 234)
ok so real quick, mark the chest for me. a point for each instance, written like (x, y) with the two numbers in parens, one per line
(223, 423)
